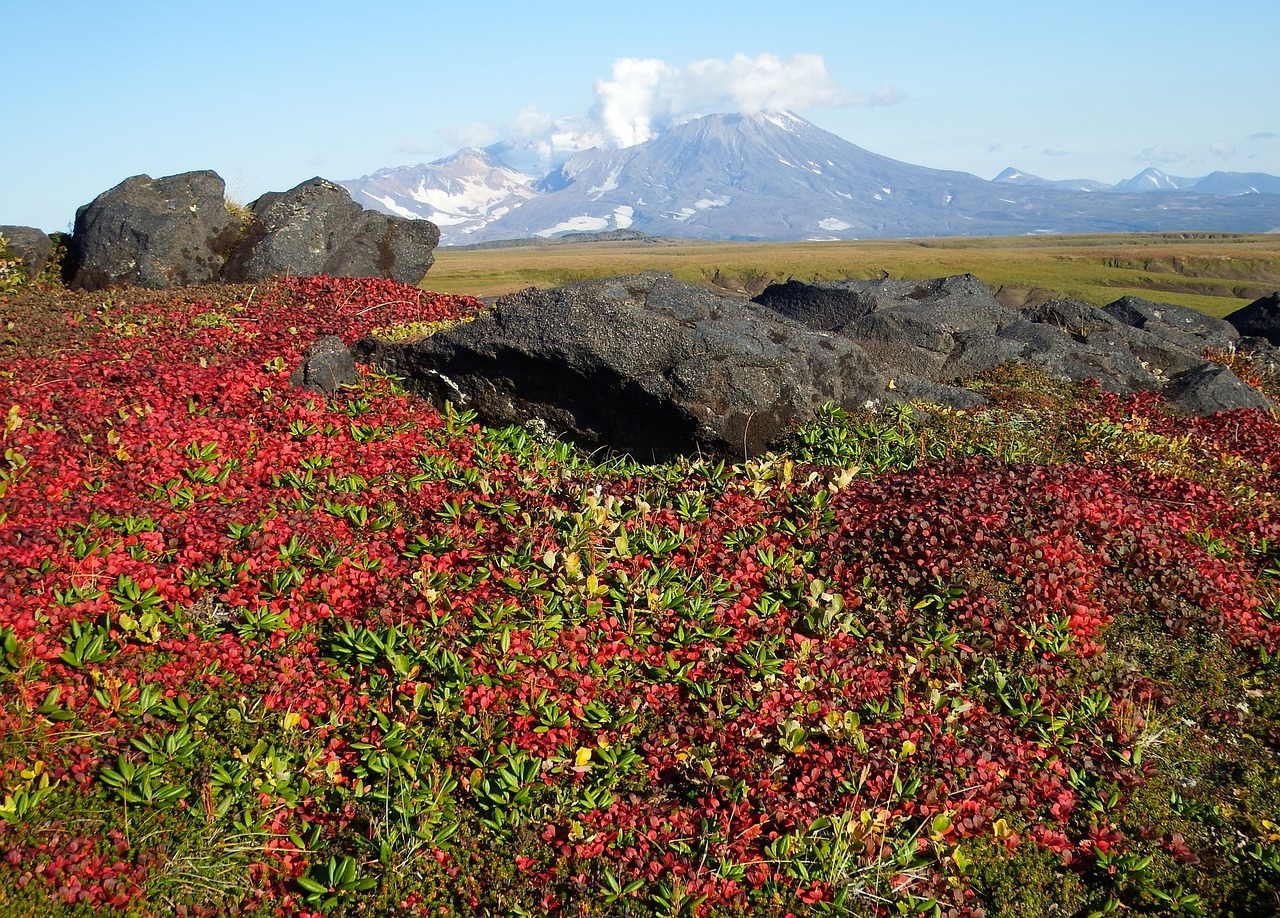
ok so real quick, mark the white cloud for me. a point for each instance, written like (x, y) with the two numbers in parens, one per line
(1159, 155)
(644, 95)
(529, 121)
(412, 147)
(1223, 150)
(469, 135)
(885, 95)
(627, 105)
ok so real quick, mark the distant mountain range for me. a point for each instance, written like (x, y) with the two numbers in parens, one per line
(777, 177)
(1151, 179)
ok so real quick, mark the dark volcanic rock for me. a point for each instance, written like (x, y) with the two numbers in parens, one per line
(176, 231)
(1074, 318)
(953, 328)
(1260, 319)
(836, 305)
(382, 246)
(316, 228)
(166, 232)
(942, 329)
(645, 364)
(825, 306)
(1182, 326)
(1210, 388)
(33, 246)
(327, 365)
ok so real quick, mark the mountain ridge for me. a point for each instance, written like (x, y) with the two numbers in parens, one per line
(774, 176)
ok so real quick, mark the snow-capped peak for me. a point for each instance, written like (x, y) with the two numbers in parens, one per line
(462, 192)
(784, 120)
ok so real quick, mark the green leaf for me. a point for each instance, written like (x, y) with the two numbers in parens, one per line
(940, 824)
(311, 885)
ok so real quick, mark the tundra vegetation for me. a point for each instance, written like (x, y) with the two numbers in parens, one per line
(1213, 272)
(264, 652)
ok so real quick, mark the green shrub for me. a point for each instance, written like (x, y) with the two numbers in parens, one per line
(13, 274)
(52, 275)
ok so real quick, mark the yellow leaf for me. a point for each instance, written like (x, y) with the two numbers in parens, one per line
(908, 748)
(582, 758)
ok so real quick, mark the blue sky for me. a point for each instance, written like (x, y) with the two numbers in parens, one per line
(269, 94)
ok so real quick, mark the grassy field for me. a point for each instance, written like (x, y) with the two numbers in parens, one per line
(1213, 272)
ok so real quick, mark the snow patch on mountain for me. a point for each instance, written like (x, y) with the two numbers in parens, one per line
(609, 184)
(388, 204)
(583, 223)
(785, 120)
(462, 193)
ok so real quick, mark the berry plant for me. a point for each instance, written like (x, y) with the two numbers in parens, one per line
(264, 652)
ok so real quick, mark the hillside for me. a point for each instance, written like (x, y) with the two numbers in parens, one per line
(269, 653)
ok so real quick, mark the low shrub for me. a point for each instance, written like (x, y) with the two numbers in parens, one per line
(13, 274)
(270, 653)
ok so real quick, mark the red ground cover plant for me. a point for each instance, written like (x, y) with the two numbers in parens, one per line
(282, 654)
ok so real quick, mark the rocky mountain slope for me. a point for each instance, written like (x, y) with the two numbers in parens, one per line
(776, 176)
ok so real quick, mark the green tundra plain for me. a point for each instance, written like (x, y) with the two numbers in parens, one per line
(1213, 272)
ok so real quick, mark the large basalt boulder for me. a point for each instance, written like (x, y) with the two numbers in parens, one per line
(836, 305)
(930, 328)
(158, 233)
(1183, 326)
(1260, 319)
(315, 228)
(1210, 388)
(647, 365)
(824, 306)
(31, 245)
(176, 231)
(954, 328)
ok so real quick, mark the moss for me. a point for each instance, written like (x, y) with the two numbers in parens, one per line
(1027, 882)
(415, 330)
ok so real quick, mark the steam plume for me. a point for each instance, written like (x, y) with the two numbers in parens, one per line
(644, 95)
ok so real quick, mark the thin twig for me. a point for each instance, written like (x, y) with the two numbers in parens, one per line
(387, 303)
